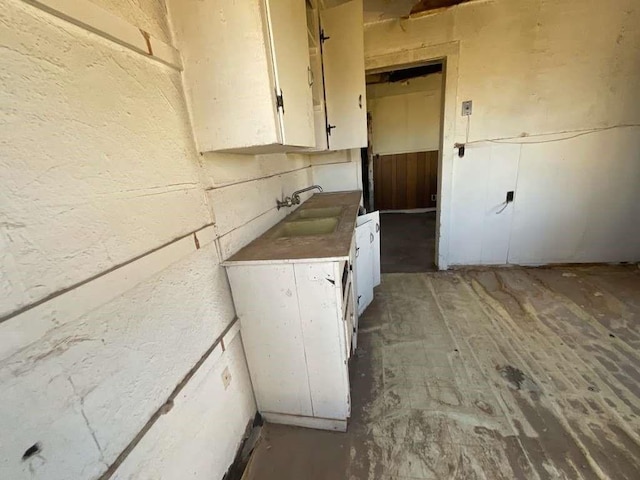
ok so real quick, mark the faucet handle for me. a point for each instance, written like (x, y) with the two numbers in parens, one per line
(285, 202)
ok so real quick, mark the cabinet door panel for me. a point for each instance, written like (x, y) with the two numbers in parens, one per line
(290, 53)
(227, 77)
(275, 348)
(344, 76)
(375, 229)
(321, 331)
(364, 265)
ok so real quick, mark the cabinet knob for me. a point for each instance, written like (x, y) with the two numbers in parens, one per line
(360, 101)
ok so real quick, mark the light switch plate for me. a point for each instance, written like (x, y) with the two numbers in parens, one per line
(467, 106)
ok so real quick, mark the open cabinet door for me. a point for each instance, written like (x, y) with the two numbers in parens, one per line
(375, 229)
(344, 76)
(364, 264)
(290, 54)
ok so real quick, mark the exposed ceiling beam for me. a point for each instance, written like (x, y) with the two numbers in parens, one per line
(428, 5)
(377, 10)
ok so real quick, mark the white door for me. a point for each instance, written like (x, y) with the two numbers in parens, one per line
(290, 56)
(364, 264)
(375, 218)
(344, 77)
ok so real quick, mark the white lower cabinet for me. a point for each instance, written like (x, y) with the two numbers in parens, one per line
(299, 315)
(297, 321)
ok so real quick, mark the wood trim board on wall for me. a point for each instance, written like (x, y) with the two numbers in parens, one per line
(96, 19)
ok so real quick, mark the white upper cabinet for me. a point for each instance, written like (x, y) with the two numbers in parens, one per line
(317, 88)
(344, 75)
(259, 79)
(288, 29)
(246, 73)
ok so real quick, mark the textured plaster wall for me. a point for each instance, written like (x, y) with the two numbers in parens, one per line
(95, 145)
(243, 189)
(98, 168)
(103, 311)
(406, 116)
(337, 171)
(534, 70)
(149, 15)
(87, 388)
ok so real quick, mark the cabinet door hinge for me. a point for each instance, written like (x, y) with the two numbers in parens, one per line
(323, 37)
(279, 100)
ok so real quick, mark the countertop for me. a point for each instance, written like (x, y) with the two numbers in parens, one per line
(331, 246)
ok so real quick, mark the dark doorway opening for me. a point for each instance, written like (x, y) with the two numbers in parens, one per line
(401, 166)
(364, 164)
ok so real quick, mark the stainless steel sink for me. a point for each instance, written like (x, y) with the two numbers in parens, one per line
(318, 212)
(308, 227)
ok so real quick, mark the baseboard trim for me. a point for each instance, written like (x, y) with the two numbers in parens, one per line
(307, 422)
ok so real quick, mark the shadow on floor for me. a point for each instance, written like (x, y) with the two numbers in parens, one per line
(408, 242)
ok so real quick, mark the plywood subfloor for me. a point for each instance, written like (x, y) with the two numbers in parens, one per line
(485, 374)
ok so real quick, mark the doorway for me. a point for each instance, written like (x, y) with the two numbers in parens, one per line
(405, 108)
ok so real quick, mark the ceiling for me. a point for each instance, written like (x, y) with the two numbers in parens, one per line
(402, 75)
(376, 10)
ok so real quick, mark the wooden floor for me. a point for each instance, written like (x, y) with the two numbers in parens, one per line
(485, 374)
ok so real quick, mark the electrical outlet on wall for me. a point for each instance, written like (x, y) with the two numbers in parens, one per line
(467, 107)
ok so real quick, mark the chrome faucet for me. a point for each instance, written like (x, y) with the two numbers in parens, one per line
(294, 199)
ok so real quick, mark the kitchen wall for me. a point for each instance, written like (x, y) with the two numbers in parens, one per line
(553, 120)
(243, 189)
(337, 171)
(406, 116)
(117, 323)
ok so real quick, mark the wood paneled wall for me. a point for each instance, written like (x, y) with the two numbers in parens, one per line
(405, 181)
